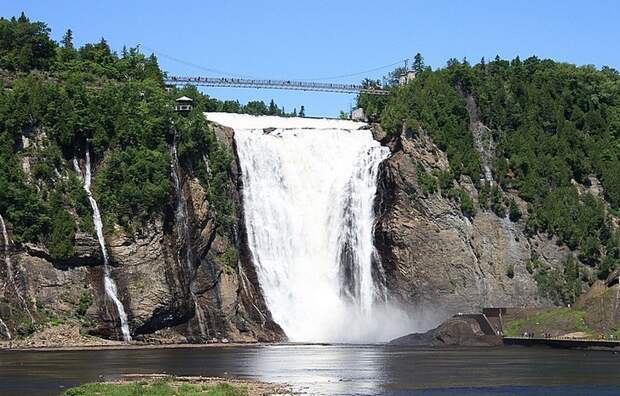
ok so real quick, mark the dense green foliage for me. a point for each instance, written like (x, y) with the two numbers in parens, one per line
(57, 102)
(23, 45)
(555, 126)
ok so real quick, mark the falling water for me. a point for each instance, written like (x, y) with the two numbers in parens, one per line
(308, 193)
(10, 272)
(7, 257)
(9, 269)
(6, 329)
(108, 283)
(183, 233)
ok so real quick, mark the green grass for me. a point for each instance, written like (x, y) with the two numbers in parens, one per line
(159, 388)
(567, 320)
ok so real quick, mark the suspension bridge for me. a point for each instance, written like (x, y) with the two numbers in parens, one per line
(272, 84)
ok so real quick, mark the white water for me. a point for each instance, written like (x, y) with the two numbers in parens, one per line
(10, 272)
(7, 257)
(108, 283)
(9, 269)
(308, 194)
(183, 234)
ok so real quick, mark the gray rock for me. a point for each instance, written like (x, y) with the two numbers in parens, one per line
(456, 331)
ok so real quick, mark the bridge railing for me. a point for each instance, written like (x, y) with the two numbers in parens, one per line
(272, 84)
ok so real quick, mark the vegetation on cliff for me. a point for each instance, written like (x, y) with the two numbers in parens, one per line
(56, 101)
(555, 129)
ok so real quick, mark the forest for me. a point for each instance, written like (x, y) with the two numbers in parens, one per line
(556, 134)
(57, 101)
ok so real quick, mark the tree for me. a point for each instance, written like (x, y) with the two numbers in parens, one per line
(25, 45)
(418, 63)
(273, 109)
(302, 111)
(67, 40)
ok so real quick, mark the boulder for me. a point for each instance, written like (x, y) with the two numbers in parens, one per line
(456, 331)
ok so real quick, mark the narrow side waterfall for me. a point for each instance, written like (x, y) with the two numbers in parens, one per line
(184, 240)
(10, 272)
(7, 257)
(9, 269)
(6, 330)
(108, 283)
(308, 194)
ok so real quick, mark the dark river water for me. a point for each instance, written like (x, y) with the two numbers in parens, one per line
(333, 370)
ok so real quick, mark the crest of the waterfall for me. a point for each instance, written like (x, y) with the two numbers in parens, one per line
(308, 191)
(109, 285)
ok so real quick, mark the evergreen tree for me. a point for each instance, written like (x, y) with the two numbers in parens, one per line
(273, 109)
(67, 40)
(302, 111)
(418, 63)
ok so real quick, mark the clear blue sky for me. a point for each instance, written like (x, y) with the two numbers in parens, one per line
(290, 39)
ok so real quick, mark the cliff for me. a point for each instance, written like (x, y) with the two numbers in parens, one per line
(211, 297)
(437, 258)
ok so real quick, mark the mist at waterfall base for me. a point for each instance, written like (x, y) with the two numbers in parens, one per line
(308, 195)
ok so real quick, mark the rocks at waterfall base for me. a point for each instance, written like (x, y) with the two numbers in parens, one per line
(456, 331)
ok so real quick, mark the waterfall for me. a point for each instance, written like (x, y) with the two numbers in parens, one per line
(308, 193)
(108, 283)
(9, 269)
(183, 233)
(10, 272)
(6, 329)
(7, 257)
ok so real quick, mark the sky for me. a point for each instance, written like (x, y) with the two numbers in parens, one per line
(318, 40)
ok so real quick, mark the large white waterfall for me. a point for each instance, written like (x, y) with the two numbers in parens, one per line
(308, 193)
(108, 283)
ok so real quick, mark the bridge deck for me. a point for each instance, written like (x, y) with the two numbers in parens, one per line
(273, 84)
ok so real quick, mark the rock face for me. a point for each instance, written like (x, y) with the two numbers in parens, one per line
(456, 331)
(437, 259)
(213, 296)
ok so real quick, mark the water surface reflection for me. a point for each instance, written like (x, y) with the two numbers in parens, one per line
(332, 370)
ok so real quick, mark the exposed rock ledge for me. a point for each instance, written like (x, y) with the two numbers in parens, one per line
(456, 331)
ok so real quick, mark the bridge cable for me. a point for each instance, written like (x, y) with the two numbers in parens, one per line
(216, 71)
(352, 74)
(224, 73)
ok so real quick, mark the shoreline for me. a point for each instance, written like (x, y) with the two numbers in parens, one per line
(129, 346)
(245, 386)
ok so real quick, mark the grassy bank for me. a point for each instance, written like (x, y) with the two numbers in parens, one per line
(156, 385)
(557, 321)
(159, 388)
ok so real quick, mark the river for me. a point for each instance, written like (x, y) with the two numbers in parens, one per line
(332, 369)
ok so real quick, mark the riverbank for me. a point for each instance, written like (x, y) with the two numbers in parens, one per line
(66, 337)
(159, 384)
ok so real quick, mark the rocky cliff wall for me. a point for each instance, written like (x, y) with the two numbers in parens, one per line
(436, 258)
(215, 297)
